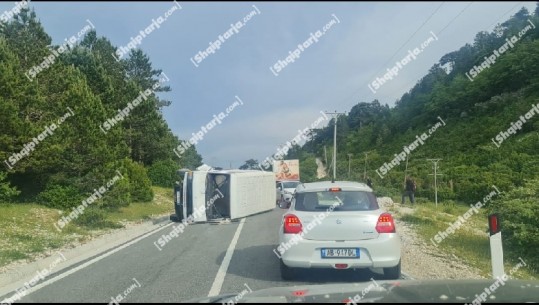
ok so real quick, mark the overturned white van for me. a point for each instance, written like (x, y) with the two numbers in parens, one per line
(216, 195)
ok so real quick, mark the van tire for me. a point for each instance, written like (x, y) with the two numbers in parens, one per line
(174, 218)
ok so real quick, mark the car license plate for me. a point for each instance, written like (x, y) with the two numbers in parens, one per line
(340, 252)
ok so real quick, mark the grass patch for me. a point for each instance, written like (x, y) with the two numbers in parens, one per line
(7, 256)
(163, 204)
(470, 242)
(94, 218)
(27, 229)
(417, 220)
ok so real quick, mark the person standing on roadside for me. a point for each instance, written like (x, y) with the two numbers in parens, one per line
(409, 190)
(369, 182)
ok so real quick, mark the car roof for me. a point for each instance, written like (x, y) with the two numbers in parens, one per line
(324, 185)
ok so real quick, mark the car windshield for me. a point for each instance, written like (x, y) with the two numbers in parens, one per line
(341, 201)
(290, 185)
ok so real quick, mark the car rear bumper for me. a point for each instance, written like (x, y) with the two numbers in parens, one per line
(382, 252)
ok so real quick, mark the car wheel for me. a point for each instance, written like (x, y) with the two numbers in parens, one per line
(287, 273)
(281, 201)
(393, 273)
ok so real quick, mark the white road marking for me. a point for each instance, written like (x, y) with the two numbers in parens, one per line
(88, 263)
(221, 273)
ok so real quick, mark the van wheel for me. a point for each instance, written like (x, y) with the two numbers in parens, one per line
(287, 273)
(393, 273)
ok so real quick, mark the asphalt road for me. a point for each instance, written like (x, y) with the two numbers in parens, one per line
(194, 264)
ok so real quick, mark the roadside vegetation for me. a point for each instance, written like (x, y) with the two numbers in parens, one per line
(470, 241)
(27, 229)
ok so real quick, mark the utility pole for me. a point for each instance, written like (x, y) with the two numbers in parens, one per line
(326, 156)
(349, 155)
(335, 141)
(405, 171)
(365, 168)
(435, 163)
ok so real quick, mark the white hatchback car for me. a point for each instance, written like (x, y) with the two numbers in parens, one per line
(285, 192)
(337, 225)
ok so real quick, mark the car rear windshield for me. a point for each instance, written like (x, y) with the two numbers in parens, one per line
(342, 201)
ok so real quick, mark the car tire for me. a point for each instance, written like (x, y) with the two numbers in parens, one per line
(393, 273)
(281, 203)
(287, 273)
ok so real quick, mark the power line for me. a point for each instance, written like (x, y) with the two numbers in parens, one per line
(415, 81)
(432, 14)
(447, 25)
(440, 32)
(410, 38)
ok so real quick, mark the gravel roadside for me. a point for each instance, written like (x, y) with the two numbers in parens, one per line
(420, 259)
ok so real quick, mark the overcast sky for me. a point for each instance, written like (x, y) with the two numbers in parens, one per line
(332, 73)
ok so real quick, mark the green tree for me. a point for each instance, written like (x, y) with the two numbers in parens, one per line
(250, 164)
(163, 173)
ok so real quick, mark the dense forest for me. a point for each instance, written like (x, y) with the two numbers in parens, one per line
(474, 155)
(74, 117)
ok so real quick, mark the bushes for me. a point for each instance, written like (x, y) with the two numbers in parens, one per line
(519, 213)
(134, 186)
(140, 186)
(163, 173)
(93, 217)
(118, 196)
(444, 194)
(383, 191)
(60, 197)
(308, 170)
(7, 193)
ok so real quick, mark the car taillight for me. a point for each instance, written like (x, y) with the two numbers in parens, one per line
(385, 224)
(299, 293)
(292, 225)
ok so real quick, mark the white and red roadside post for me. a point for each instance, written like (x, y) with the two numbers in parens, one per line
(496, 249)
